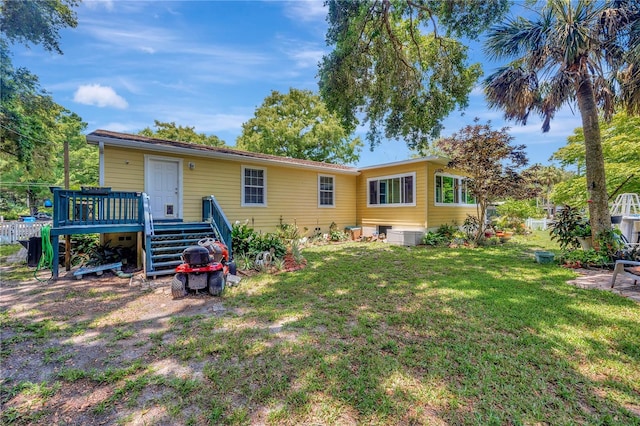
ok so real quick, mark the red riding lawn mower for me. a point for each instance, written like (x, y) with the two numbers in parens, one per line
(206, 265)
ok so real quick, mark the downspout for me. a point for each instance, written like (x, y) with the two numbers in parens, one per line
(101, 166)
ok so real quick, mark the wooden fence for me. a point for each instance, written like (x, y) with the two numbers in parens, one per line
(12, 232)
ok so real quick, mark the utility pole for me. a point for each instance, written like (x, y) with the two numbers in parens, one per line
(67, 238)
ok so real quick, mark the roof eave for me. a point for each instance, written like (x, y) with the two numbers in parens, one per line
(128, 143)
(433, 159)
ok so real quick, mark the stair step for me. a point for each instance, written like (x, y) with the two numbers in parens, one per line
(173, 249)
(158, 257)
(168, 264)
(192, 234)
(160, 272)
(189, 241)
(169, 241)
(182, 226)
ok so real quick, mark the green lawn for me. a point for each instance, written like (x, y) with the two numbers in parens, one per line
(377, 334)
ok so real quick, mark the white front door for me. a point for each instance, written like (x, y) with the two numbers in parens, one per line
(163, 185)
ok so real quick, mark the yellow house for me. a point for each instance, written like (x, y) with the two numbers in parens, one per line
(160, 187)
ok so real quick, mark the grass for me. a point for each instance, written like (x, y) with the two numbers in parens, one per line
(372, 333)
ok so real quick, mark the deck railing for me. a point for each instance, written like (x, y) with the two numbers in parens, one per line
(212, 212)
(97, 207)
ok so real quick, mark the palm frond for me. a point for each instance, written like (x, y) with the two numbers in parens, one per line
(514, 90)
(515, 38)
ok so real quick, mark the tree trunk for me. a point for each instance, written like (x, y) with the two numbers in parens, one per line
(600, 218)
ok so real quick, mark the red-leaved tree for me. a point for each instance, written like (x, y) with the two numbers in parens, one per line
(491, 164)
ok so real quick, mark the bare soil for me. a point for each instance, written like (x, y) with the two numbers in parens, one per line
(98, 308)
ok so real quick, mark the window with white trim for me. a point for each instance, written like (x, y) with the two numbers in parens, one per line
(393, 191)
(451, 189)
(254, 186)
(326, 189)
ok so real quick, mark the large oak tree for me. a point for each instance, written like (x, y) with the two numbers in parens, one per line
(399, 66)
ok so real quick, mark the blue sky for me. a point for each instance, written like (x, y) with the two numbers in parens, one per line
(210, 64)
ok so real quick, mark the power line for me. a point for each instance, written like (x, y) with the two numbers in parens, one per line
(25, 136)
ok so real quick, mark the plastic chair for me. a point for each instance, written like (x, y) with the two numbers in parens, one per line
(628, 268)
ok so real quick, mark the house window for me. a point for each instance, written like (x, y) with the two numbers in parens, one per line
(326, 190)
(397, 190)
(454, 190)
(254, 184)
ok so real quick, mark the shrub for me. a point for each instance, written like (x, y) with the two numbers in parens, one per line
(265, 242)
(335, 234)
(567, 226)
(580, 258)
(447, 230)
(434, 239)
(241, 236)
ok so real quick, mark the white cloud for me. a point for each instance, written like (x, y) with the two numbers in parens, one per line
(101, 96)
(94, 4)
(307, 58)
(306, 10)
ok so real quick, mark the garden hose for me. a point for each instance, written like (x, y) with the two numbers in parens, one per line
(46, 260)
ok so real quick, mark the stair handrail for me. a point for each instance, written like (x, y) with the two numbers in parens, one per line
(212, 212)
(148, 217)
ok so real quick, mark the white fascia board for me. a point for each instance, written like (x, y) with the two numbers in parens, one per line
(432, 159)
(124, 143)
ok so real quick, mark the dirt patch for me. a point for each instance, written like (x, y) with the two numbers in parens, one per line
(96, 324)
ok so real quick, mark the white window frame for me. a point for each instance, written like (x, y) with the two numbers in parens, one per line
(461, 182)
(264, 187)
(401, 175)
(333, 192)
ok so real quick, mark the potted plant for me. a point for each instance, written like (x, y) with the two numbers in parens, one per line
(583, 233)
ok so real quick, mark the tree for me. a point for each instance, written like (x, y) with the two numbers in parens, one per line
(31, 123)
(28, 113)
(621, 152)
(574, 50)
(170, 131)
(395, 69)
(547, 177)
(491, 163)
(46, 168)
(298, 125)
(37, 21)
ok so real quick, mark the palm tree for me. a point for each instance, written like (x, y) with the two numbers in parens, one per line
(583, 51)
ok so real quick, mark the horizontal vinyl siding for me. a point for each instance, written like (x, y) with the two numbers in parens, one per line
(291, 193)
(123, 169)
(441, 215)
(398, 217)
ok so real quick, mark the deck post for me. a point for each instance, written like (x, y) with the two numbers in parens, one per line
(56, 256)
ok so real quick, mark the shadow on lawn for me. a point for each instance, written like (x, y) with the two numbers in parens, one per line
(367, 333)
(463, 335)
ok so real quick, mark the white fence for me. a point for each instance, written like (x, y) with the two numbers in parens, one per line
(12, 232)
(537, 224)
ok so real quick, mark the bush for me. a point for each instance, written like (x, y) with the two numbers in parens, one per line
(241, 236)
(567, 226)
(335, 234)
(265, 242)
(434, 239)
(581, 258)
(447, 230)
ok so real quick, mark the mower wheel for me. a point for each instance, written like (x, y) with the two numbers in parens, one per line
(233, 269)
(216, 283)
(179, 286)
